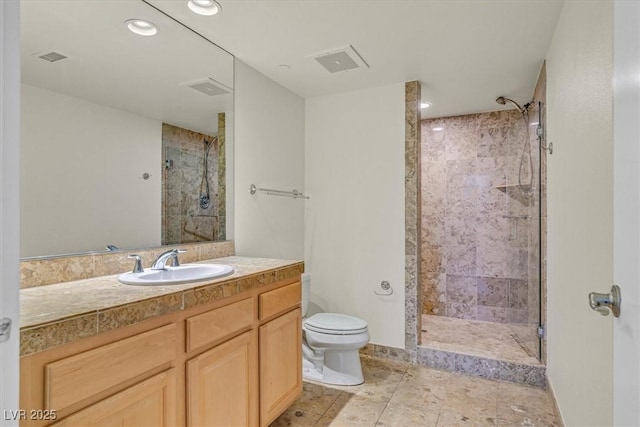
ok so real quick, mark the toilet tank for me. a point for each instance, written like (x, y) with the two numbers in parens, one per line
(306, 288)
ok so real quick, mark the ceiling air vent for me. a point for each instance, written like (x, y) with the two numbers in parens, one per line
(208, 86)
(52, 56)
(342, 59)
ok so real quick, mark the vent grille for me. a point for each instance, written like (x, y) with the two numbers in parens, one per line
(337, 62)
(52, 56)
(208, 86)
(342, 59)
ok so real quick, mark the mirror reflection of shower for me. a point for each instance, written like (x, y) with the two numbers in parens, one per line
(193, 185)
(526, 147)
(205, 196)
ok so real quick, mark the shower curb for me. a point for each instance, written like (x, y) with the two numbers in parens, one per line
(533, 375)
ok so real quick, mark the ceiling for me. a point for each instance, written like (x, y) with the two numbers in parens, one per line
(107, 64)
(464, 52)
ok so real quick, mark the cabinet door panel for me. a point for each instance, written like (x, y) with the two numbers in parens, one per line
(222, 388)
(150, 403)
(73, 379)
(280, 364)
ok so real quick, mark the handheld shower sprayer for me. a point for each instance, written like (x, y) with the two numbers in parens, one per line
(205, 197)
(503, 101)
(526, 148)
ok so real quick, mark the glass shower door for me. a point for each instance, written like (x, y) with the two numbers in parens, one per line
(524, 250)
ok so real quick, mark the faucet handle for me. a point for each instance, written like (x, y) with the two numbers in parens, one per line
(138, 267)
(176, 263)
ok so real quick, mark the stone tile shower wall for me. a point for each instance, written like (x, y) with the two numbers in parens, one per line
(183, 220)
(475, 232)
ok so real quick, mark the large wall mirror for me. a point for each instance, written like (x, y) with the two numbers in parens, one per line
(124, 136)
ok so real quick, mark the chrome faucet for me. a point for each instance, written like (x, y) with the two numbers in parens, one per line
(161, 261)
(138, 266)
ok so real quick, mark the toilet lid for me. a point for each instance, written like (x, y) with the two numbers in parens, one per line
(335, 322)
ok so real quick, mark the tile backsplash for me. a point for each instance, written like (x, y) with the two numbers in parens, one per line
(45, 271)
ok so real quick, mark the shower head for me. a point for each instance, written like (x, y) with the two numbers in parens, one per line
(503, 101)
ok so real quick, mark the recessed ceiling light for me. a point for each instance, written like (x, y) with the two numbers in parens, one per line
(142, 27)
(204, 7)
(437, 129)
(425, 105)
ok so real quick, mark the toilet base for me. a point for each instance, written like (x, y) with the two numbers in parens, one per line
(328, 375)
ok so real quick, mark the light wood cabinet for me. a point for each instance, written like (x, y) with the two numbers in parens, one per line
(219, 324)
(222, 385)
(234, 362)
(151, 403)
(279, 300)
(73, 379)
(280, 364)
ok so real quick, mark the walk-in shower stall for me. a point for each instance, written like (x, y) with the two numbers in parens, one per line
(481, 242)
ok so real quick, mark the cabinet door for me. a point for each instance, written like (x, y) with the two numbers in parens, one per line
(280, 364)
(149, 403)
(222, 387)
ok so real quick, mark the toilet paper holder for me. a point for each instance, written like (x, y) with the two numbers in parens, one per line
(386, 287)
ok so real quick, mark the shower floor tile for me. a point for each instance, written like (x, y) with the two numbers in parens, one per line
(476, 338)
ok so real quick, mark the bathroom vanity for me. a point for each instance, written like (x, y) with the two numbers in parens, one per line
(226, 352)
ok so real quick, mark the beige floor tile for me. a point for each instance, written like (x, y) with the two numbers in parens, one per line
(420, 395)
(453, 418)
(405, 416)
(296, 418)
(520, 405)
(422, 374)
(352, 411)
(466, 393)
(315, 399)
(397, 395)
(511, 391)
(521, 416)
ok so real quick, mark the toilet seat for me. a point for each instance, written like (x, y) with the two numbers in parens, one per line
(335, 324)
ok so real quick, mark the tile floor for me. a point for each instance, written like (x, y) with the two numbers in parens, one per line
(476, 338)
(399, 394)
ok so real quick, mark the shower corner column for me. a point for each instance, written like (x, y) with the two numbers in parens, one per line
(413, 295)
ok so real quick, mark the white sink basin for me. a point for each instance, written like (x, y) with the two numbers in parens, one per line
(175, 275)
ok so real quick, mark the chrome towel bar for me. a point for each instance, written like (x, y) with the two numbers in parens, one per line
(294, 194)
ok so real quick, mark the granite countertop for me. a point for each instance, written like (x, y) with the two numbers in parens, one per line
(57, 314)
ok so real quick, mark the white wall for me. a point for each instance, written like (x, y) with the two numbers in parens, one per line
(268, 152)
(626, 229)
(580, 224)
(81, 176)
(9, 204)
(354, 235)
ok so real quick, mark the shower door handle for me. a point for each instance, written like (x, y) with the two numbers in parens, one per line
(605, 303)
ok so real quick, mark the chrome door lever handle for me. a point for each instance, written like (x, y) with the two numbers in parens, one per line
(603, 303)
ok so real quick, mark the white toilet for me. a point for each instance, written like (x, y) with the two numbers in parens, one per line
(331, 344)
